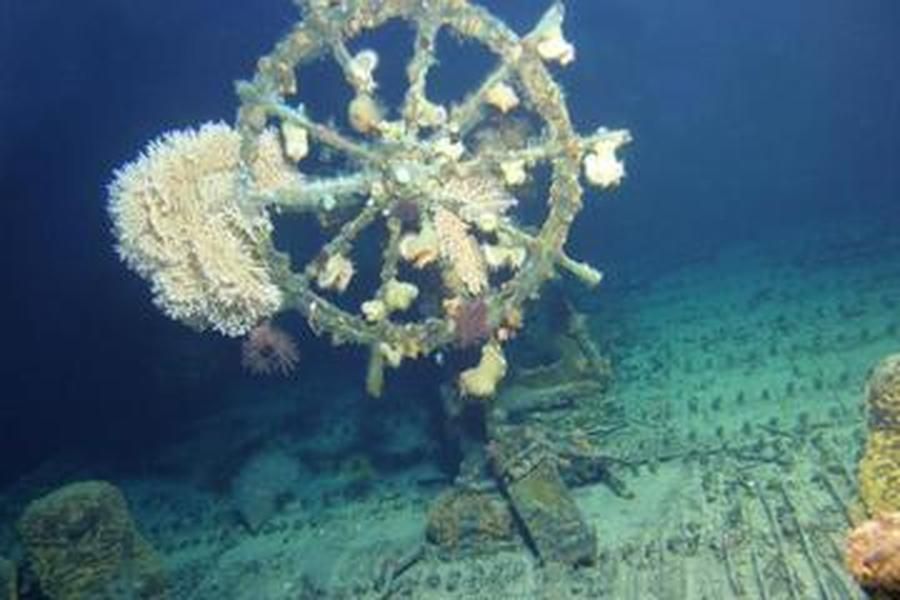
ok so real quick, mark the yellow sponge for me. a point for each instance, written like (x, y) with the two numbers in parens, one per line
(879, 470)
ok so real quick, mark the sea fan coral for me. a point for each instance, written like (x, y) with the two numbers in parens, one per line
(466, 266)
(179, 224)
(268, 350)
(478, 199)
(873, 553)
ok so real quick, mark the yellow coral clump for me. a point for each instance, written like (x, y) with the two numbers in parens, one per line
(481, 380)
(296, 141)
(501, 257)
(336, 273)
(422, 248)
(361, 70)
(179, 224)
(399, 295)
(601, 165)
(553, 47)
(364, 114)
(503, 97)
(374, 310)
(514, 173)
(461, 252)
(396, 296)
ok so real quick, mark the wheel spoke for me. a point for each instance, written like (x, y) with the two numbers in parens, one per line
(320, 195)
(417, 71)
(327, 135)
(343, 240)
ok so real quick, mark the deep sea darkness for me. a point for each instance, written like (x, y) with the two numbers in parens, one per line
(751, 119)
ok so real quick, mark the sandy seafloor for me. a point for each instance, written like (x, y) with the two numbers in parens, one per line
(738, 385)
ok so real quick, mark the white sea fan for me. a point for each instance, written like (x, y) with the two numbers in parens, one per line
(178, 224)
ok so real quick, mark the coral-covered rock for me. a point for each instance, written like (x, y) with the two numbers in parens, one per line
(82, 543)
(467, 520)
(879, 472)
(873, 553)
(539, 497)
(879, 469)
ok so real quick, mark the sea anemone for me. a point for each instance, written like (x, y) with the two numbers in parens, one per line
(470, 323)
(268, 350)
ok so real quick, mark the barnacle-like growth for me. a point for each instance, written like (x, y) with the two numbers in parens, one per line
(426, 174)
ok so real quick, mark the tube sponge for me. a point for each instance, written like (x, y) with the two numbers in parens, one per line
(179, 224)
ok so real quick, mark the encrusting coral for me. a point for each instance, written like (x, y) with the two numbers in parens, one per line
(879, 469)
(873, 547)
(193, 214)
(81, 542)
(502, 97)
(462, 519)
(481, 380)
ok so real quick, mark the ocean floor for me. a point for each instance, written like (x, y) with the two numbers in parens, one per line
(733, 425)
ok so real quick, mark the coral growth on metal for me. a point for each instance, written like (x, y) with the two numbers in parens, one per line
(440, 181)
(425, 162)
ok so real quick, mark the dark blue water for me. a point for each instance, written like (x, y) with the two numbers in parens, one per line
(751, 120)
